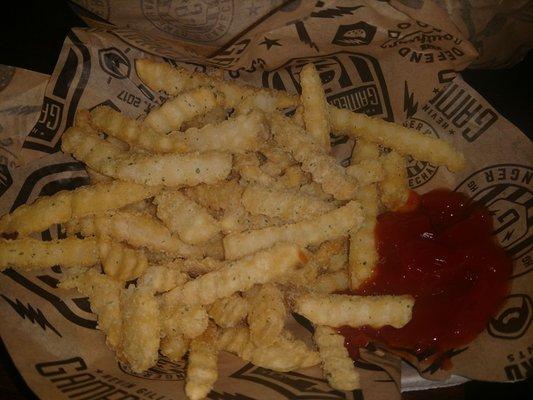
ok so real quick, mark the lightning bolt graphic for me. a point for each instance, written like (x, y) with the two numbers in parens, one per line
(508, 235)
(334, 12)
(34, 315)
(409, 106)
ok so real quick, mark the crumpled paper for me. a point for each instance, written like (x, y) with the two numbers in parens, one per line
(372, 58)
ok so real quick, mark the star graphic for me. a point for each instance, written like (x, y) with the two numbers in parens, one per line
(451, 132)
(270, 42)
(435, 90)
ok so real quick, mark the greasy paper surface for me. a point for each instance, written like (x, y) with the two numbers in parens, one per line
(373, 58)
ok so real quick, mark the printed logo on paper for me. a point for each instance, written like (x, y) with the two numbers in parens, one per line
(164, 370)
(420, 172)
(114, 62)
(357, 34)
(513, 321)
(292, 385)
(195, 20)
(507, 191)
(420, 43)
(350, 80)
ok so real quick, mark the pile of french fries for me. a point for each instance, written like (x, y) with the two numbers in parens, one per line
(211, 220)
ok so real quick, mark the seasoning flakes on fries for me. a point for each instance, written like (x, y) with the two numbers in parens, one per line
(212, 219)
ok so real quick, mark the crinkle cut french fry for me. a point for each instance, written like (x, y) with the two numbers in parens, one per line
(323, 167)
(249, 169)
(338, 310)
(337, 365)
(285, 354)
(121, 262)
(66, 205)
(289, 206)
(240, 275)
(366, 172)
(328, 226)
(188, 219)
(171, 115)
(202, 369)
(229, 311)
(237, 135)
(160, 278)
(140, 328)
(394, 186)
(191, 266)
(32, 254)
(404, 140)
(188, 320)
(175, 346)
(97, 153)
(212, 117)
(138, 230)
(104, 296)
(220, 196)
(315, 112)
(267, 315)
(238, 220)
(159, 76)
(277, 160)
(331, 282)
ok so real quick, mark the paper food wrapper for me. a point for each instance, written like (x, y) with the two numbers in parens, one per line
(373, 57)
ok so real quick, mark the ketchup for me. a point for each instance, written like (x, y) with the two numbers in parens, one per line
(439, 248)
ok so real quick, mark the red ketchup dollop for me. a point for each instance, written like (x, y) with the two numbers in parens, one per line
(440, 250)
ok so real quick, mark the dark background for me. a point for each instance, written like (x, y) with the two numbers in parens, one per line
(32, 37)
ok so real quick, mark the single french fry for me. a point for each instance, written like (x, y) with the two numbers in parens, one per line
(240, 275)
(171, 115)
(404, 140)
(366, 172)
(314, 159)
(328, 226)
(183, 216)
(31, 254)
(140, 328)
(285, 354)
(394, 186)
(202, 370)
(160, 278)
(66, 205)
(236, 135)
(121, 262)
(337, 365)
(267, 314)
(315, 112)
(225, 195)
(104, 295)
(289, 206)
(355, 311)
(213, 117)
(229, 311)
(249, 169)
(191, 266)
(331, 282)
(175, 346)
(160, 76)
(184, 319)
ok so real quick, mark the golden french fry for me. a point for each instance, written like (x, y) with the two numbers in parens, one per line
(328, 226)
(171, 115)
(314, 159)
(191, 266)
(366, 172)
(66, 205)
(277, 160)
(104, 295)
(188, 320)
(315, 112)
(404, 140)
(212, 117)
(285, 354)
(159, 76)
(229, 311)
(249, 169)
(225, 195)
(140, 328)
(202, 371)
(240, 275)
(160, 278)
(183, 216)
(175, 346)
(267, 314)
(294, 178)
(289, 206)
(337, 365)
(238, 220)
(394, 186)
(31, 254)
(331, 282)
(338, 310)
(236, 135)
(121, 262)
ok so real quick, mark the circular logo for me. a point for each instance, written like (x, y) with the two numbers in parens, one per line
(507, 191)
(164, 370)
(196, 20)
(420, 172)
(514, 319)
